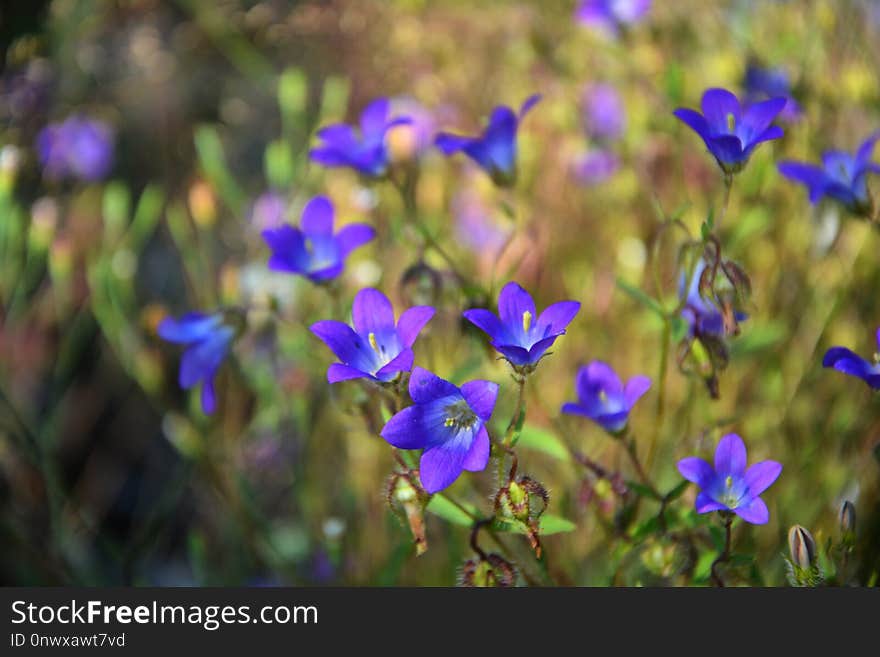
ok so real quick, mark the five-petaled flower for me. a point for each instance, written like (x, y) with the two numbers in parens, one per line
(78, 148)
(312, 250)
(604, 398)
(730, 486)
(375, 348)
(848, 362)
(209, 339)
(611, 15)
(521, 335)
(366, 153)
(448, 422)
(842, 176)
(495, 149)
(731, 132)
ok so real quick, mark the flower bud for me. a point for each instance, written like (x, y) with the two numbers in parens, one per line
(847, 519)
(491, 571)
(802, 547)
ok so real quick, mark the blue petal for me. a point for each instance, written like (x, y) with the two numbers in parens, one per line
(338, 372)
(411, 323)
(442, 465)
(513, 303)
(717, 105)
(486, 321)
(425, 386)
(374, 117)
(730, 456)
(317, 217)
(480, 396)
(556, 317)
(352, 236)
(696, 470)
(755, 512)
(449, 143)
(372, 312)
(500, 139)
(478, 457)
(202, 360)
(191, 327)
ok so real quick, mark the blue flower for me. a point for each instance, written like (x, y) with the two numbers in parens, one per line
(603, 398)
(78, 148)
(521, 335)
(209, 340)
(842, 176)
(366, 153)
(313, 250)
(844, 360)
(376, 348)
(611, 15)
(730, 486)
(495, 149)
(449, 423)
(764, 83)
(731, 132)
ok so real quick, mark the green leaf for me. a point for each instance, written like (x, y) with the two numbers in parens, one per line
(441, 506)
(677, 492)
(643, 491)
(539, 439)
(213, 164)
(547, 525)
(679, 329)
(640, 296)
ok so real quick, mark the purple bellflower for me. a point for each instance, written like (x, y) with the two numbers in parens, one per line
(765, 83)
(375, 348)
(732, 131)
(312, 250)
(78, 148)
(209, 340)
(448, 422)
(730, 486)
(366, 153)
(844, 360)
(521, 335)
(495, 149)
(611, 15)
(842, 176)
(604, 398)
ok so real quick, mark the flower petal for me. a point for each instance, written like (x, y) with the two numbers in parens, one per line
(717, 104)
(513, 303)
(705, 504)
(402, 362)
(516, 355)
(595, 376)
(863, 155)
(480, 396)
(528, 104)
(848, 362)
(486, 321)
(425, 386)
(635, 388)
(814, 177)
(478, 458)
(696, 470)
(500, 139)
(755, 512)
(374, 117)
(191, 327)
(208, 396)
(347, 345)
(406, 429)
(537, 350)
(556, 317)
(758, 117)
(200, 362)
(761, 475)
(411, 322)
(442, 465)
(449, 143)
(372, 312)
(695, 121)
(730, 456)
(338, 372)
(317, 217)
(352, 236)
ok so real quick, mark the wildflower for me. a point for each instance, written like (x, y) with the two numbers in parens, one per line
(521, 335)
(844, 360)
(375, 348)
(731, 132)
(78, 148)
(611, 15)
(704, 319)
(365, 153)
(313, 250)
(448, 423)
(603, 398)
(268, 211)
(842, 176)
(495, 149)
(209, 339)
(730, 486)
(604, 117)
(764, 83)
(595, 166)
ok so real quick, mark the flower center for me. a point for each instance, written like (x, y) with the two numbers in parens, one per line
(527, 321)
(460, 416)
(603, 396)
(729, 498)
(731, 122)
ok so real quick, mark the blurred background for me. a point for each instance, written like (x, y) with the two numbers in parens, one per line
(199, 116)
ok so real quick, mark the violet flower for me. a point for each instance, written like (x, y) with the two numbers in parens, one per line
(730, 486)
(78, 147)
(366, 153)
(495, 150)
(611, 15)
(209, 340)
(375, 348)
(521, 335)
(848, 362)
(604, 115)
(604, 398)
(732, 131)
(842, 176)
(313, 250)
(448, 422)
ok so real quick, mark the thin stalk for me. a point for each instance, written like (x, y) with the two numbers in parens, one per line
(725, 555)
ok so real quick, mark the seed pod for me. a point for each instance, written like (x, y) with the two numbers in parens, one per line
(492, 571)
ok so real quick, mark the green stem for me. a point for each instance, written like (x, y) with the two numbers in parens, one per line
(725, 555)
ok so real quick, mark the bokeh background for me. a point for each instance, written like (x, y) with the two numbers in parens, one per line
(110, 474)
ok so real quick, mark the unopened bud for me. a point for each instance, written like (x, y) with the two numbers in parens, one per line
(847, 518)
(802, 547)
